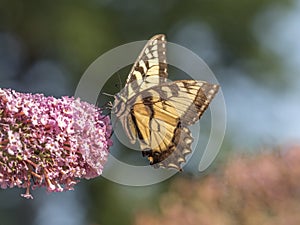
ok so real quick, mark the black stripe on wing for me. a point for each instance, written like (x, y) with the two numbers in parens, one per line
(162, 115)
(151, 61)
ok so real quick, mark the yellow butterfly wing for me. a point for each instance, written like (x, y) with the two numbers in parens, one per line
(161, 116)
(151, 61)
(149, 70)
(157, 113)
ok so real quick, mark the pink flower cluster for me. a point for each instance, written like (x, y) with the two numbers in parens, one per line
(50, 142)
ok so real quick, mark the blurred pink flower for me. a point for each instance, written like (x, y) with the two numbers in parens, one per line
(50, 142)
(249, 190)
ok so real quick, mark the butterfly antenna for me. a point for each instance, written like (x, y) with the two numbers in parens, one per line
(107, 94)
(120, 81)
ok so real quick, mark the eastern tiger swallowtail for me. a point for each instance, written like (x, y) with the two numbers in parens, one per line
(157, 112)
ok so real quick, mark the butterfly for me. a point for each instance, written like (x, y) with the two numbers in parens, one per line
(157, 112)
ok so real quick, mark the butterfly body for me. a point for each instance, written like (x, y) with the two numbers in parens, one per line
(157, 112)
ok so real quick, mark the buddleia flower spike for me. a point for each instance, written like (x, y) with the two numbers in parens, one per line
(50, 142)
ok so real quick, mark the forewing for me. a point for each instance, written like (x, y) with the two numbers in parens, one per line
(150, 68)
(151, 61)
(187, 99)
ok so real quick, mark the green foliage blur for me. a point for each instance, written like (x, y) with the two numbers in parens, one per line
(77, 32)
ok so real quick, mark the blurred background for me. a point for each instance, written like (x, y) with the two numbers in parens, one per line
(252, 47)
